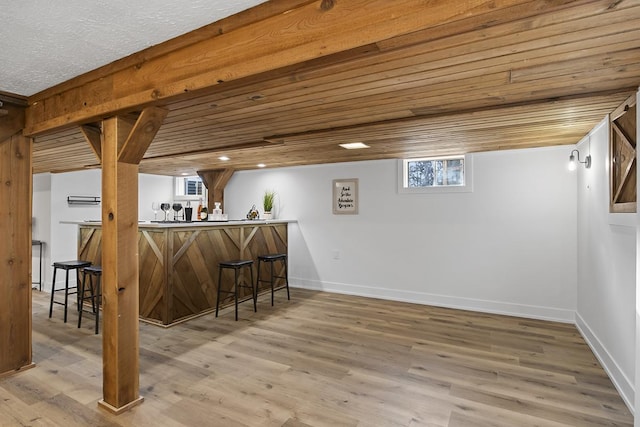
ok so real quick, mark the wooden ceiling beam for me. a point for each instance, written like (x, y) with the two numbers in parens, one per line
(143, 132)
(306, 32)
(216, 180)
(92, 134)
(12, 98)
(12, 121)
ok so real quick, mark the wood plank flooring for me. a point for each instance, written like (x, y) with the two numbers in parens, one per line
(322, 360)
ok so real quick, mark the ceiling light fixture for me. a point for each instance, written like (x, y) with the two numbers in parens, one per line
(354, 145)
(575, 159)
(261, 165)
(223, 158)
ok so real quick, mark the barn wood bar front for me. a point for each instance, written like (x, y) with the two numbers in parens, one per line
(179, 262)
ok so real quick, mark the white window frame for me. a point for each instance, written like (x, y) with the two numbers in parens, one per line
(178, 185)
(467, 187)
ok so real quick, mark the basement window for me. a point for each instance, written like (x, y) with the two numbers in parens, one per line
(189, 188)
(435, 174)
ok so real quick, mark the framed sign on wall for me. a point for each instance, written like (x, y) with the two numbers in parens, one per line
(345, 196)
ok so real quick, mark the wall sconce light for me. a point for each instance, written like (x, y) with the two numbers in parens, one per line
(575, 159)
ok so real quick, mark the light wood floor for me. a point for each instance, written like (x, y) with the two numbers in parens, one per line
(323, 360)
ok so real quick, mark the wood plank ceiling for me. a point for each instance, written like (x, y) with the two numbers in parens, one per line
(535, 74)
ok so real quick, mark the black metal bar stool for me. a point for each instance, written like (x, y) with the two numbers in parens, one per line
(236, 266)
(95, 293)
(66, 266)
(271, 259)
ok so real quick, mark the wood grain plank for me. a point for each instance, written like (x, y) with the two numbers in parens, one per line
(323, 360)
(15, 253)
(120, 279)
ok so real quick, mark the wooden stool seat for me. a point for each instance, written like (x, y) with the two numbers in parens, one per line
(236, 266)
(66, 266)
(271, 259)
(95, 293)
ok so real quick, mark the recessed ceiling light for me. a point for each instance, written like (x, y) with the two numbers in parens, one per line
(261, 165)
(354, 145)
(184, 173)
(223, 158)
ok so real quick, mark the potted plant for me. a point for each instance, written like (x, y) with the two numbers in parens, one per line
(267, 203)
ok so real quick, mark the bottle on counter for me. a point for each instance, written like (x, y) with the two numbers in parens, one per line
(188, 212)
(199, 211)
(216, 212)
(204, 214)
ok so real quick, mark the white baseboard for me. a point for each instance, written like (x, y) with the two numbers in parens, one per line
(620, 381)
(495, 307)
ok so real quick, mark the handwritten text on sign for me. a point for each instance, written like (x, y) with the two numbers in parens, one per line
(345, 196)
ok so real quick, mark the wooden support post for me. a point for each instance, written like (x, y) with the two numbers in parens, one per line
(15, 251)
(123, 145)
(215, 180)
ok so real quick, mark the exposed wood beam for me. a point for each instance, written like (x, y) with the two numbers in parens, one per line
(320, 28)
(120, 265)
(15, 251)
(216, 180)
(11, 98)
(141, 135)
(93, 135)
(12, 122)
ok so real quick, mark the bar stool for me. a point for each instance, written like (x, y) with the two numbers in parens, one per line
(236, 266)
(271, 259)
(95, 293)
(66, 266)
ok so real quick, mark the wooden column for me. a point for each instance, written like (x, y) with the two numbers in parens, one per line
(15, 250)
(123, 145)
(215, 180)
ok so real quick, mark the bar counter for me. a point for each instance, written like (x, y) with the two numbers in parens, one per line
(178, 262)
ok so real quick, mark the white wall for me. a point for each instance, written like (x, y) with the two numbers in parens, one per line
(606, 268)
(41, 225)
(153, 188)
(508, 247)
(50, 208)
(64, 237)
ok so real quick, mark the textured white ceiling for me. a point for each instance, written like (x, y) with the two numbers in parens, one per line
(46, 42)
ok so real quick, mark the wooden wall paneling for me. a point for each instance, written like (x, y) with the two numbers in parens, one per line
(192, 279)
(271, 239)
(622, 157)
(152, 274)
(90, 245)
(217, 245)
(168, 281)
(179, 267)
(15, 252)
